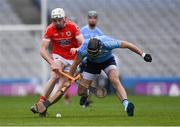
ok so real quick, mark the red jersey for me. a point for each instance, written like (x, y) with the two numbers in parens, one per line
(64, 39)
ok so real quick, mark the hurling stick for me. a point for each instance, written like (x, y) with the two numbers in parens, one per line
(98, 92)
(70, 77)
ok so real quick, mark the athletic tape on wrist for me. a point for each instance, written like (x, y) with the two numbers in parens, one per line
(143, 55)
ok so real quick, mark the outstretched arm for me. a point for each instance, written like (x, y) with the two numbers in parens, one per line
(132, 47)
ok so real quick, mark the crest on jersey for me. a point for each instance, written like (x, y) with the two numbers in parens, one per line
(77, 27)
(68, 33)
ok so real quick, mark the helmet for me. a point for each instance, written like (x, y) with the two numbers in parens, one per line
(92, 13)
(57, 13)
(94, 47)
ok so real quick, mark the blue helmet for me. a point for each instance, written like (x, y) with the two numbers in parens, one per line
(94, 47)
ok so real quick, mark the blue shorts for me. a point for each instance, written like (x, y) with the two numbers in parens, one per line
(95, 68)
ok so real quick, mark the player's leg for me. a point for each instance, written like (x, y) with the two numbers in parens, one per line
(43, 103)
(42, 106)
(54, 78)
(63, 63)
(64, 85)
(83, 92)
(90, 72)
(113, 76)
(47, 90)
(84, 99)
(49, 86)
(38, 107)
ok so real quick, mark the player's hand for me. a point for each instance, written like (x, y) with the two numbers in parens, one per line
(147, 58)
(55, 67)
(74, 50)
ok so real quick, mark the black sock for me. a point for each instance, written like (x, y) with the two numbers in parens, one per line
(83, 100)
(46, 103)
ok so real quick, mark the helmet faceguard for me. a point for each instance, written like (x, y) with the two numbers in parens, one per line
(58, 16)
(57, 13)
(94, 47)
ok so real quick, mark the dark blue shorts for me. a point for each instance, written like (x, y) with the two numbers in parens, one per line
(95, 68)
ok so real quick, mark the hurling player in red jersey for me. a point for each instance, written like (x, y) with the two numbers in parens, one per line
(65, 38)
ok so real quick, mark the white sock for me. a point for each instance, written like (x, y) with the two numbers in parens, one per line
(125, 103)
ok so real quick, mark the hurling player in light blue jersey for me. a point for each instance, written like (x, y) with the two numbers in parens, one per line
(91, 29)
(99, 57)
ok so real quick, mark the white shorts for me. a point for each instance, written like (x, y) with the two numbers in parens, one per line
(67, 63)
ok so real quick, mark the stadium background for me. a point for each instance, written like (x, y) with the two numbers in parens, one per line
(153, 25)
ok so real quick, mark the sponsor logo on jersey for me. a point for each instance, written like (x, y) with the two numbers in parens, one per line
(77, 27)
(64, 42)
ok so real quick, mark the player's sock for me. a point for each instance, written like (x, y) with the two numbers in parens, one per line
(83, 100)
(125, 102)
(47, 103)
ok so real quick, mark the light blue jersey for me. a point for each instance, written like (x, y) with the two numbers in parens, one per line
(108, 44)
(89, 33)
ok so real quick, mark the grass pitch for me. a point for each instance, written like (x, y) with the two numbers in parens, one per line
(108, 111)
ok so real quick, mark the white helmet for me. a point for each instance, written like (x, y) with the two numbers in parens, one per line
(57, 13)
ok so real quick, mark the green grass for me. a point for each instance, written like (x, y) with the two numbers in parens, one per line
(107, 111)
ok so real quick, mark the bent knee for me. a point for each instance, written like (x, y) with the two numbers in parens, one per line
(113, 76)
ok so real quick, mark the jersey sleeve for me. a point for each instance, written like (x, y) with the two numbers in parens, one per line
(111, 43)
(48, 33)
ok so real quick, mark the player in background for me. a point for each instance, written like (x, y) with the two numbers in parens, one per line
(90, 30)
(99, 57)
(65, 38)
